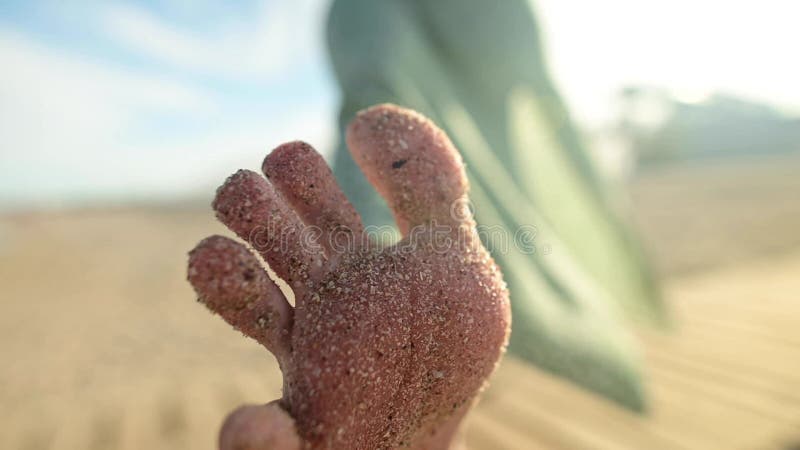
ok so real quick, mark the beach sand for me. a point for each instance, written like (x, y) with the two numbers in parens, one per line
(105, 347)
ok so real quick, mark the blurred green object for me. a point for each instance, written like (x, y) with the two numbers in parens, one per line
(476, 69)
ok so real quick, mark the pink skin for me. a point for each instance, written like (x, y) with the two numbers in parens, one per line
(385, 347)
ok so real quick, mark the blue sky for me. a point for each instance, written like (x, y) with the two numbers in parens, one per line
(103, 100)
(155, 100)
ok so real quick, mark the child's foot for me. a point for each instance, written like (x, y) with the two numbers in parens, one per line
(385, 347)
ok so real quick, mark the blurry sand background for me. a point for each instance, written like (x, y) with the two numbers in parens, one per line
(105, 348)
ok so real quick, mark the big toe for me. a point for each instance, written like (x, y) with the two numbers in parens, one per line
(410, 161)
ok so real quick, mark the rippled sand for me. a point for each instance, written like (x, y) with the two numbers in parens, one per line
(106, 349)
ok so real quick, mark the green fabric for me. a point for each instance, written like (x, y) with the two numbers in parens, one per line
(476, 69)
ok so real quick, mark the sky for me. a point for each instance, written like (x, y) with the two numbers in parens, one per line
(157, 101)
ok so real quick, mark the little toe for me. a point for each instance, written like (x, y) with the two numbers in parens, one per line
(230, 281)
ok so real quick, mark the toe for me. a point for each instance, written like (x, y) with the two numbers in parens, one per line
(249, 205)
(230, 281)
(411, 163)
(305, 181)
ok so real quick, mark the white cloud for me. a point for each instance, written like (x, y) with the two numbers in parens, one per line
(52, 105)
(280, 36)
(66, 125)
(202, 162)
